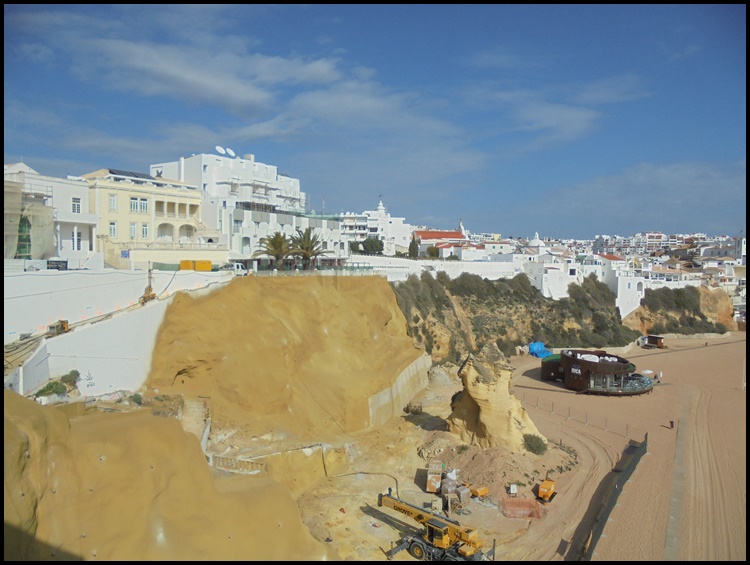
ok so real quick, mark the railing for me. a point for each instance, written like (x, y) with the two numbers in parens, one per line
(163, 245)
(340, 272)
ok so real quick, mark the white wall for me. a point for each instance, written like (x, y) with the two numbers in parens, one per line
(111, 355)
(398, 269)
(32, 301)
(630, 291)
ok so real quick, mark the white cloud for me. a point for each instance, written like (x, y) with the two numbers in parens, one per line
(622, 88)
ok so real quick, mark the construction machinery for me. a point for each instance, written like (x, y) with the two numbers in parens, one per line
(148, 293)
(59, 327)
(441, 538)
(547, 491)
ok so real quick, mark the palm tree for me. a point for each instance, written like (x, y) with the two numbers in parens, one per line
(307, 246)
(277, 246)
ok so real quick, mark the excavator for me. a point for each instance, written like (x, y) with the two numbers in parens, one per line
(442, 539)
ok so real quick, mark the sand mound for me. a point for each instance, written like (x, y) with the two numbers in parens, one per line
(133, 486)
(485, 413)
(288, 357)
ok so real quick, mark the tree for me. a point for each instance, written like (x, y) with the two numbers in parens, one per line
(433, 252)
(354, 247)
(277, 246)
(413, 247)
(307, 246)
(372, 246)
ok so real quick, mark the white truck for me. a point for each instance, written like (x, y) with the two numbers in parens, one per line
(238, 269)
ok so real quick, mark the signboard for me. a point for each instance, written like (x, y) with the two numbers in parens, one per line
(57, 264)
(125, 254)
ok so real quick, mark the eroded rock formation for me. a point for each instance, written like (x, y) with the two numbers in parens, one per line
(485, 413)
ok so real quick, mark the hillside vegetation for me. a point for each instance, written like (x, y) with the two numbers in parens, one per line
(451, 318)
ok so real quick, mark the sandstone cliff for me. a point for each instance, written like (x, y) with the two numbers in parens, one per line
(713, 306)
(288, 357)
(133, 487)
(452, 318)
(485, 413)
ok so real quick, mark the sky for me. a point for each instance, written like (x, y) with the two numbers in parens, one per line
(569, 121)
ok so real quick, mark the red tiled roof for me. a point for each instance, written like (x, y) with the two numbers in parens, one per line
(610, 257)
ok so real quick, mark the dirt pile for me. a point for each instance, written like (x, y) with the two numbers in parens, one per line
(485, 413)
(285, 357)
(133, 487)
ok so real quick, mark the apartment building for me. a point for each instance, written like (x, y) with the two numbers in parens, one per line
(144, 219)
(244, 201)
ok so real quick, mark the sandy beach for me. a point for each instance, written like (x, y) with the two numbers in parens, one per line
(687, 497)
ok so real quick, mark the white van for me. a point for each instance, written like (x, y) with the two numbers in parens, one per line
(238, 269)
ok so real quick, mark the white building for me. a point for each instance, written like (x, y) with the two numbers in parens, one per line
(377, 224)
(54, 219)
(246, 201)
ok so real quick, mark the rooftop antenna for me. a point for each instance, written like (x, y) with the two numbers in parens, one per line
(220, 149)
(230, 152)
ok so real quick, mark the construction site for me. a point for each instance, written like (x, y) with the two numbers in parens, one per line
(293, 418)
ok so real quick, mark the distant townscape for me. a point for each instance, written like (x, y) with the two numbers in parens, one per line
(225, 210)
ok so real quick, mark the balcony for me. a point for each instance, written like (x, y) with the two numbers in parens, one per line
(69, 217)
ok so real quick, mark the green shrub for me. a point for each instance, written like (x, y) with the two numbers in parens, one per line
(71, 379)
(534, 443)
(137, 398)
(52, 387)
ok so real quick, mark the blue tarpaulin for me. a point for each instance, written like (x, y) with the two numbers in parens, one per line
(537, 349)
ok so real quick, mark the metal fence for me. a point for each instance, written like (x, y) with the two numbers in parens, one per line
(605, 423)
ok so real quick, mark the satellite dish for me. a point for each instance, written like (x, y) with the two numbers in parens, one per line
(220, 149)
(231, 153)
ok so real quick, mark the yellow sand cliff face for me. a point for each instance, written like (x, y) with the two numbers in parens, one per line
(296, 357)
(133, 486)
(486, 414)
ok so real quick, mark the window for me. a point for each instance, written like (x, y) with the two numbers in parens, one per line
(76, 238)
(144, 231)
(237, 225)
(133, 227)
(112, 202)
(76, 205)
(143, 205)
(133, 204)
(112, 229)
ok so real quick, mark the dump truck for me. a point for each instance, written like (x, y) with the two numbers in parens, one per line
(547, 491)
(441, 539)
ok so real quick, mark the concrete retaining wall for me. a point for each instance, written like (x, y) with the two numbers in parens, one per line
(32, 301)
(392, 400)
(111, 355)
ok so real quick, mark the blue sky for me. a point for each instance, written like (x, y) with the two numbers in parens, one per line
(569, 121)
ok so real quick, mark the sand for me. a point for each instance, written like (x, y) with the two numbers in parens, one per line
(137, 486)
(685, 501)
